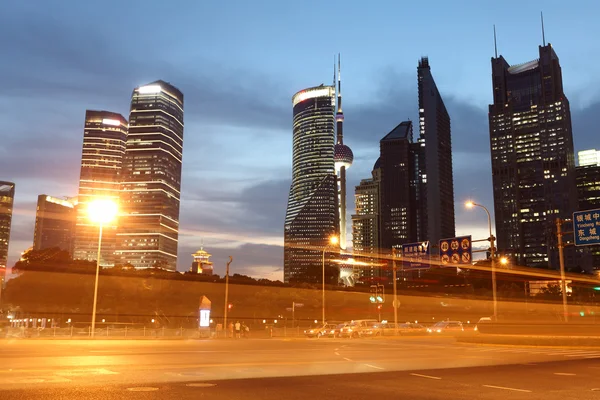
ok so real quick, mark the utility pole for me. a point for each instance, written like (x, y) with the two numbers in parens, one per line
(226, 295)
(395, 291)
(561, 258)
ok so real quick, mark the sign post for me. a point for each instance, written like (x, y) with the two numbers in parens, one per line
(414, 254)
(457, 250)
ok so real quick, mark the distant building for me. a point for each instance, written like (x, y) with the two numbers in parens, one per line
(104, 138)
(312, 209)
(365, 223)
(54, 223)
(148, 231)
(533, 165)
(588, 157)
(201, 264)
(7, 198)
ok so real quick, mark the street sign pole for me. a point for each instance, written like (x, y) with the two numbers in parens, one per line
(561, 259)
(395, 292)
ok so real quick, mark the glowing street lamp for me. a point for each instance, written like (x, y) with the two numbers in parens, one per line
(333, 240)
(101, 212)
(503, 260)
(471, 204)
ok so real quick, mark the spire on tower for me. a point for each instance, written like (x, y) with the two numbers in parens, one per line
(495, 43)
(543, 33)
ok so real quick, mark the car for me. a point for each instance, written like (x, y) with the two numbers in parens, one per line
(335, 332)
(483, 320)
(318, 331)
(446, 327)
(354, 328)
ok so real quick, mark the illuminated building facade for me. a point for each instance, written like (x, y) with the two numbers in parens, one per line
(312, 209)
(533, 166)
(433, 180)
(365, 223)
(104, 139)
(588, 196)
(54, 223)
(148, 231)
(7, 198)
(201, 264)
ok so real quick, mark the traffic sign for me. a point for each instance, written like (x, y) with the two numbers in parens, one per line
(586, 227)
(416, 255)
(457, 250)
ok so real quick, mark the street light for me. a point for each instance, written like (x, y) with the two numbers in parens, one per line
(100, 211)
(503, 260)
(333, 240)
(471, 204)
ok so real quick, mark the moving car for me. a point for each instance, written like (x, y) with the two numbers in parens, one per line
(446, 327)
(354, 328)
(319, 331)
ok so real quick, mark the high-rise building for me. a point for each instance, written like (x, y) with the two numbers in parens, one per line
(433, 162)
(54, 223)
(7, 198)
(533, 166)
(151, 178)
(104, 137)
(312, 209)
(365, 223)
(588, 196)
(588, 157)
(343, 158)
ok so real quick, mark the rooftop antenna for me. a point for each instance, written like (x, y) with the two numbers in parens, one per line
(495, 43)
(334, 70)
(543, 34)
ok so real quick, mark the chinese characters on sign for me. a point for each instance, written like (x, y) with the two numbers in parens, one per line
(586, 227)
(416, 255)
(456, 250)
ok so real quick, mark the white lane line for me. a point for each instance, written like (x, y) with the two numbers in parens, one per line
(336, 353)
(592, 357)
(373, 366)
(336, 349)
(347, 359)
(507, 388)
(584, 354)
(426, 376)
(564, 374)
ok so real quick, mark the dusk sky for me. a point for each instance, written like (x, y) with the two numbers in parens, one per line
(238, 64)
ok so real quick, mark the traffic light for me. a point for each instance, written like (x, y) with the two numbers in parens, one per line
(597, 288)
(380, 297)
(229, 306)
(373, 294)
(379, 306)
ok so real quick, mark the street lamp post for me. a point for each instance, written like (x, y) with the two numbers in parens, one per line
(491, 238)
(226, 296)
(333, 240)
(100, 211)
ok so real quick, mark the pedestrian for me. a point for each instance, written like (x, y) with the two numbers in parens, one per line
(238, 329)
(230, 329)
(247, 331)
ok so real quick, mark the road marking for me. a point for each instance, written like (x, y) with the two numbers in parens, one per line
(347, 359)
(528, 364)
(142, 389)
(507, 388)
(426, 376)
(81, 372)
(564, 374)
(373, 366)
(336, 353)
(201, 384)
(336, 349)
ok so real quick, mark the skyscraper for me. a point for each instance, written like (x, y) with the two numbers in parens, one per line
(433, 163)
(398, 205)
(104, 137)
(588, 157)
(7, 198)
(54, 223)
(365, 223)
(312, 209)
(151, 178)
(343, 158)
(533, 166)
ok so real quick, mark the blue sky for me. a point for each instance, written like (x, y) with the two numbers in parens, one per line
(238, 63)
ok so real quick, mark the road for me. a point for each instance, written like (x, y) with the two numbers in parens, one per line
(412, 368)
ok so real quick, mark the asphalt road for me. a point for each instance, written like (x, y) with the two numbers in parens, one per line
(411, 368)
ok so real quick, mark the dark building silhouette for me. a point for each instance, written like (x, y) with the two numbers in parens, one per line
(433, 180)
(7, 198)
(54, 223)
(398, 201)
(312, 209)
(533, 166)
(148, 230)
(104, 137)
